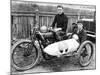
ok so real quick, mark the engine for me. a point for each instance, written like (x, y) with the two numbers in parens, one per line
(47, 37)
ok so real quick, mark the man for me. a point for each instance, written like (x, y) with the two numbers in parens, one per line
(74, 27)
(60, 20)
(81, 32)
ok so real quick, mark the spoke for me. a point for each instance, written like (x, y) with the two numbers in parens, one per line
(18, 59)
(83, 52)
(86, 53)
(88, 50)
(22, 61)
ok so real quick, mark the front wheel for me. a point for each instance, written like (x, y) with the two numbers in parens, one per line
(24, 55)
(86, 51)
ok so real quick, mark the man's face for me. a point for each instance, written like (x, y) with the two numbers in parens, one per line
(59, 10)
(80, 26)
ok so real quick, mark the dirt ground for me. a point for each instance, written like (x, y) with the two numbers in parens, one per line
(58, 65)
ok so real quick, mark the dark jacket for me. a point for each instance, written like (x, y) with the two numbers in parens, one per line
(61, 20)
(82, 35)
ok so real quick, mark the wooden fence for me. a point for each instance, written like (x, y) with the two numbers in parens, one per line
(22, 23)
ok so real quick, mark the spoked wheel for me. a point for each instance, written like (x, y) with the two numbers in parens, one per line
(86, 53)
(25, 55)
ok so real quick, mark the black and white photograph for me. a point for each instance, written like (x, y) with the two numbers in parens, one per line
(52, 37)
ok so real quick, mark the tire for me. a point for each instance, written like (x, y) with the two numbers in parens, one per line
(33, 62)
(84, 53)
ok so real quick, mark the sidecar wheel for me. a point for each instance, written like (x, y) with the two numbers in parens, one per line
(22, 61)
(86, 53)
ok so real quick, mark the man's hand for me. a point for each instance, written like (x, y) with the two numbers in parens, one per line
(50, 28)
(57, 29)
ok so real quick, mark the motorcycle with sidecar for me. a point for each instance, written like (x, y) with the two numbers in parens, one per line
(27, 53)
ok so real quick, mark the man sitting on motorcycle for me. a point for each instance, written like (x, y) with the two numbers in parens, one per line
(60, 21)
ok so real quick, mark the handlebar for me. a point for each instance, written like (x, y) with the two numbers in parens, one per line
(55, 29)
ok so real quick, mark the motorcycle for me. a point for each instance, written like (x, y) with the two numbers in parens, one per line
(27, 53)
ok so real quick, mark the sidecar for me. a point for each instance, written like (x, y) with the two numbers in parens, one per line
(84, 52)
(26, 53)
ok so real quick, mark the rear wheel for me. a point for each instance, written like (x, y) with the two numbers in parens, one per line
(25, 55)
(86, 53)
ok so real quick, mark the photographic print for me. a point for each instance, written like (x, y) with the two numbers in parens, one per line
(52, 37)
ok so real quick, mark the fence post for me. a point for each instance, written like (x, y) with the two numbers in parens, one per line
(37, 17)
